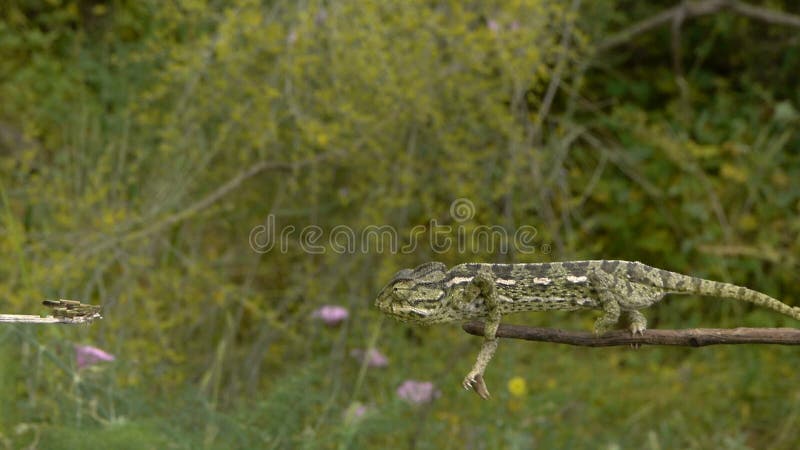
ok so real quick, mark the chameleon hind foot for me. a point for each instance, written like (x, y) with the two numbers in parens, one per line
(637, 322)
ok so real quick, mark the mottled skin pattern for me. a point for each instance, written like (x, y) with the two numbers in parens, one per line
(432, 294)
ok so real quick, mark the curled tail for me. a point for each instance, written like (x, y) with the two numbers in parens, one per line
(685, 284)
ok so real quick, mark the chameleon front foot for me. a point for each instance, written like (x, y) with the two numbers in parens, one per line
(608, 320)
(474, 381)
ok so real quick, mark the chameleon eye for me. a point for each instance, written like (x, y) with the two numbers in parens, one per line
(398, 293)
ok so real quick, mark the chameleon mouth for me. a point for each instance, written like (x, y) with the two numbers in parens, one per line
(400, 310)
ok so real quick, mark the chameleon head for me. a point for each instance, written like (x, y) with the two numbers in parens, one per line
(416, 295)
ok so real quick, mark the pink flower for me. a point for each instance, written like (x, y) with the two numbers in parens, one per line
(493, 25)
(355, 412)
(86, 355)
(320, 17)
(331, 314)
(417, 392)
(374, 357)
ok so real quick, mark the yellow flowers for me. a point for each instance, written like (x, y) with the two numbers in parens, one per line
(518, 387)
(734, 173)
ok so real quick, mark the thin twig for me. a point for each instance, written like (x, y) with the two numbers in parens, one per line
(64, 311)
(688, 10)
(770, 16)
(695, 337)
(210, 199)
(620, 159)
(764, 253)
(30, 318)
(555, 78)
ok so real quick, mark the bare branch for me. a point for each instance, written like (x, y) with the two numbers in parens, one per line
(765, 253)
(64, 311)
(696, 337)
(689, 10)
(29, 318)
(555, 79)
(765, 14)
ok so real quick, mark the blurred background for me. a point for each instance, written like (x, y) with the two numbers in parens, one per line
(148, 149)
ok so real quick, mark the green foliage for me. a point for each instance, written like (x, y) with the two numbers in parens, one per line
(127, 130)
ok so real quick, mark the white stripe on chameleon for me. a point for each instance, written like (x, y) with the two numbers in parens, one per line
(544, 281)
(505, 282)
(581, 279)
(458, 280)
(541, 299)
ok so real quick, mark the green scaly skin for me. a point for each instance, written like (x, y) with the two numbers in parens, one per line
(431, 293)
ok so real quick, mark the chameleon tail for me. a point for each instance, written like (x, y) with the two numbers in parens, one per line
(691, 285)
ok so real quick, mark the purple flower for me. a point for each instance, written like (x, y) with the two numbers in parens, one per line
(331, 314)
(374, 357)
(86, 355)
(417, 392)
(493, 25)
(355, 412)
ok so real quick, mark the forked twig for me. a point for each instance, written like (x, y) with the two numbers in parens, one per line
(688, 10)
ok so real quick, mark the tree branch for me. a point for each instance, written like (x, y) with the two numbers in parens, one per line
(696, 337)
(688, 10)
(764, 14)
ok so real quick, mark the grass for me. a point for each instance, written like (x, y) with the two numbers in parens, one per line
(731, 397)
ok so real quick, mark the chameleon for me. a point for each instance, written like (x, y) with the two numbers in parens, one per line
(431, 294)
